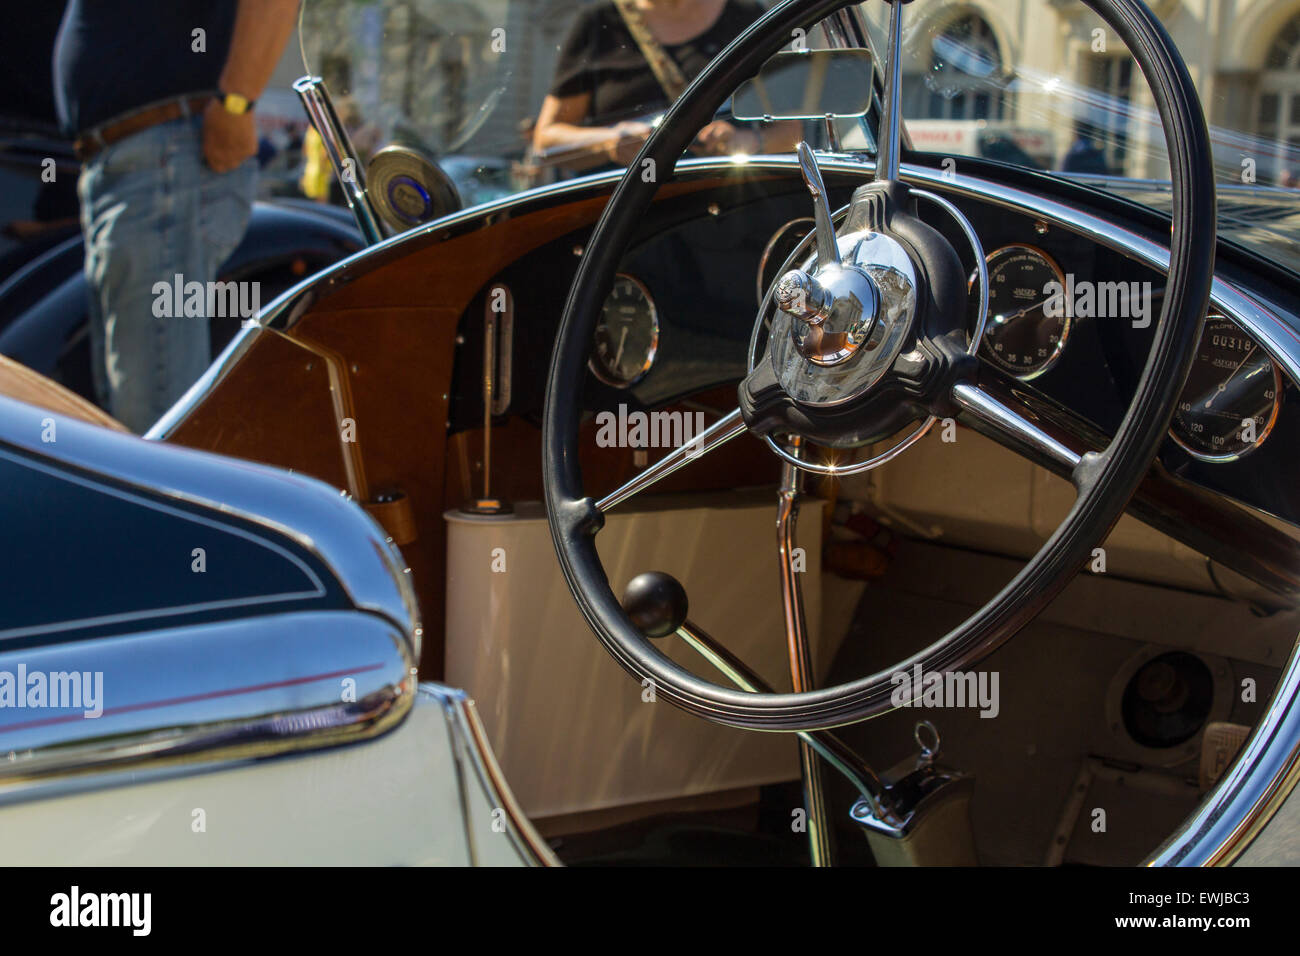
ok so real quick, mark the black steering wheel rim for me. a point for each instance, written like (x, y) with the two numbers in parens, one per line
(1106, 480)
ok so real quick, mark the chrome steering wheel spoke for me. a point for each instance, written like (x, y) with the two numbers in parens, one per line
(716, 435)
(1008, 427)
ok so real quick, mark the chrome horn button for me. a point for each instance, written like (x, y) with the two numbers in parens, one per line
(837, 330)
(836, 311)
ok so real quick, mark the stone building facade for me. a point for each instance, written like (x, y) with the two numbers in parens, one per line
(991, 60)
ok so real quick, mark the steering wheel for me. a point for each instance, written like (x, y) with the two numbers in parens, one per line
(843, 375)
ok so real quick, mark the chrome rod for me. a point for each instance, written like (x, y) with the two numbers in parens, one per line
(846, 29)
(497, 312)
(717, 434)
(891, 122)
(489, 388)
(999, 421)
(343, 156)
(833, 749)
(801, 669)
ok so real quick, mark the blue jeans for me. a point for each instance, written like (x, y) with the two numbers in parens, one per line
(151, 210)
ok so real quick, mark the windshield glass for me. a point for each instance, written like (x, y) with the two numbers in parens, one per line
(1043, 84)
(503, 95)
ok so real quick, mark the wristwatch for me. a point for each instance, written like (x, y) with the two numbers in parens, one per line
(234, 103)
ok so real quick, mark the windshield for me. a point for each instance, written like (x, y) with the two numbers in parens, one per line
(1043, 84)
(511, 94)
(503, 95)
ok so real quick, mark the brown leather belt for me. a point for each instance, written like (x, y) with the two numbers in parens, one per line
(92, 141)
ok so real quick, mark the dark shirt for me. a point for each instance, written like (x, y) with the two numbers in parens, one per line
(115, 56)
(25, 47)
(1084, 156)
(600, 57)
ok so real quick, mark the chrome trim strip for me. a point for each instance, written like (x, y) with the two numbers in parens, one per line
(457, 747)
(264, 686)
(221, 366)
(470, 742)
(1280, 340)
(527, 841)
(1260, 780)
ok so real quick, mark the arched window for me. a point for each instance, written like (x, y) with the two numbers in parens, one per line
(964, 81)
(1284, 54)
(1277, 115)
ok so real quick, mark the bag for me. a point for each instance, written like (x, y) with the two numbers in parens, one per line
(664, 67)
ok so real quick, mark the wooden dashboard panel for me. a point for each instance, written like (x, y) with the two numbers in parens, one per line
(376, 422)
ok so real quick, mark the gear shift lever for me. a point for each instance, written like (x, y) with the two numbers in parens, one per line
(922, 818)
(656, 603)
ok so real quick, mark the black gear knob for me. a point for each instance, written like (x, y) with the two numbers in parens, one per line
(656, 603)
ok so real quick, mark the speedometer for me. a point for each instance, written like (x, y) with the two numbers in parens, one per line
(1027, 325)
(1232, 396)
(627, 335)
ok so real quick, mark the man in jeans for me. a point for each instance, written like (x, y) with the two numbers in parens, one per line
(160, 96)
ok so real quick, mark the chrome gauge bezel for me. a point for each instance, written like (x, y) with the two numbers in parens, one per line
(595, 367)
(1279, 384)
(1068, 324)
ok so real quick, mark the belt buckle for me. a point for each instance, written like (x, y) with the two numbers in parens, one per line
(88, 144)
(192, 105)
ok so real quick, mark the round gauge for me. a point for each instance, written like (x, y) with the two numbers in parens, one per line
(1232, 396)
(1028, 324)
(627, 335)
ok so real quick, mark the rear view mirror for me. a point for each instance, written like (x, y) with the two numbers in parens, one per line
(810, 84)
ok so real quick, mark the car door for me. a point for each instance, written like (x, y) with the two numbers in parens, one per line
(208, 661)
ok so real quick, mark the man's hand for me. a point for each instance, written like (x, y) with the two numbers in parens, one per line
(625, 141)
(228, 139)
(720, 138)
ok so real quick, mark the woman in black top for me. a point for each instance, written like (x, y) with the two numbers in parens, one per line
(604, 89)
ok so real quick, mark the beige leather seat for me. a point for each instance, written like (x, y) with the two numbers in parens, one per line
(19, 382)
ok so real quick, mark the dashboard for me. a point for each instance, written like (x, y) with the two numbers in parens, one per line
(1070, 325)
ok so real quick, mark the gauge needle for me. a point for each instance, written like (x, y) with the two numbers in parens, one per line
(1231, 375)
(1004, 319)
(622, 340)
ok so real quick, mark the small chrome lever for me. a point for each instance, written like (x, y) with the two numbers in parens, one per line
(828, 250)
